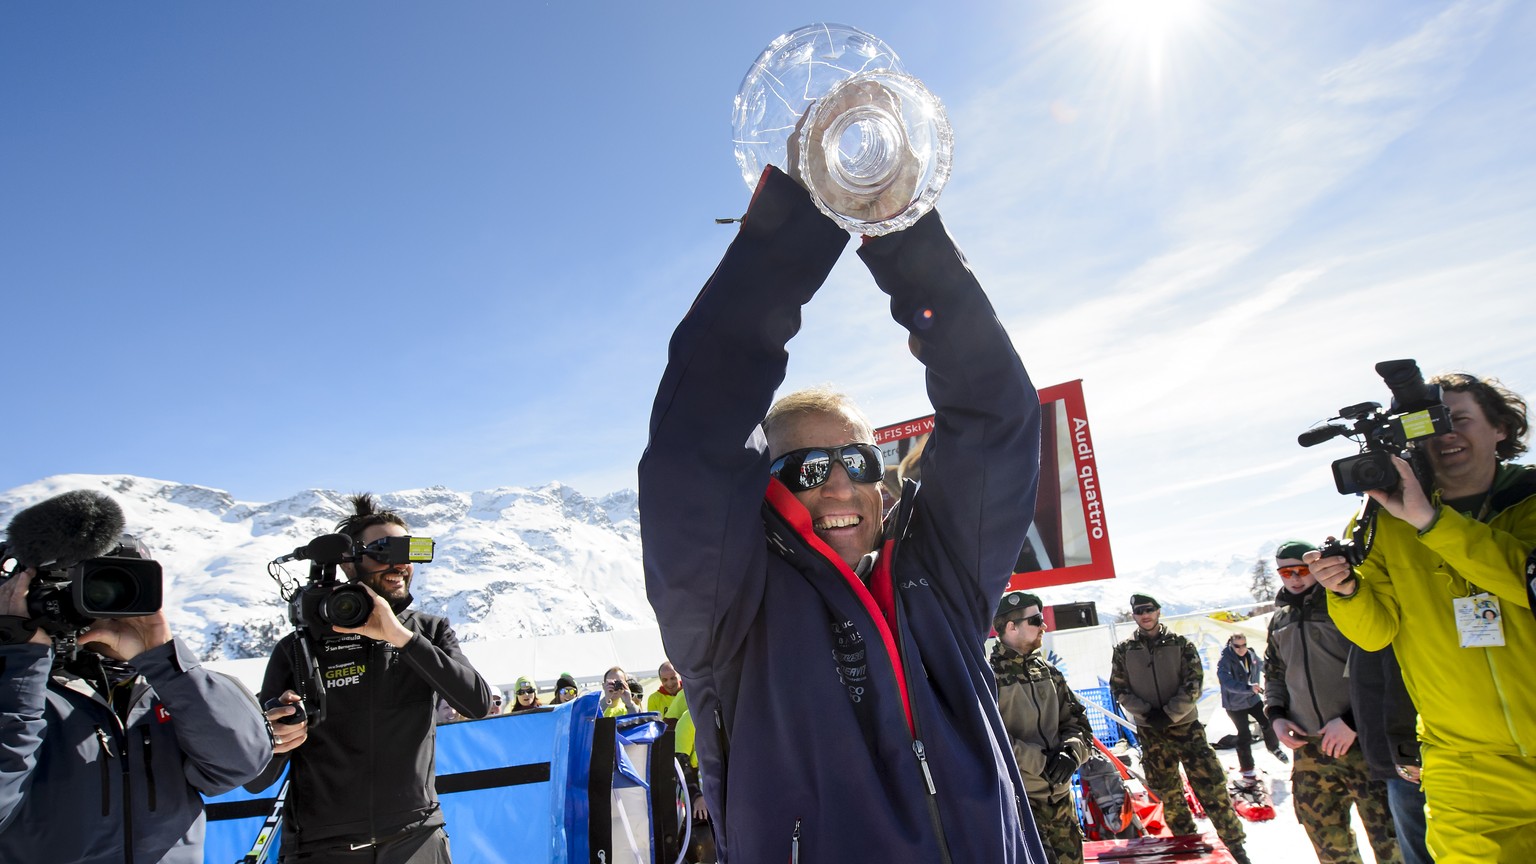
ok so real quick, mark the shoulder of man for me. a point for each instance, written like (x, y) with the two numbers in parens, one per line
(1512, 485)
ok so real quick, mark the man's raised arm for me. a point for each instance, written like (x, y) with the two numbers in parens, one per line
(705, 468)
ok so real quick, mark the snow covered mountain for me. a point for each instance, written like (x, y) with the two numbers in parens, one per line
(509, 562)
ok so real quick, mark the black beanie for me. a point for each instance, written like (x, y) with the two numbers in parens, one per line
(565, 680)
(1012, 602)
(1143, 600)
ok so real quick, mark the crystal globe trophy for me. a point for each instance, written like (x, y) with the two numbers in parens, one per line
(831, 106)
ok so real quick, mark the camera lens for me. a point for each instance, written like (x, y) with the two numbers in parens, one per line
(346, 606)
(108, 589)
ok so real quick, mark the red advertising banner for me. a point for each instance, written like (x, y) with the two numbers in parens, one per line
(1068, 539)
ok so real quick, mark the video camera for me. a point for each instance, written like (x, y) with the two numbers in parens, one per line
(1416, 412)
(325, 602)
(85, 568)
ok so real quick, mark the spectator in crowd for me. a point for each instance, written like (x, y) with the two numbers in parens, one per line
(670, 687)
(382, 680)
(1307, 700)
(840, 660)
(1156, 676)
(1438, 557)
(1385, 720)
(82, 738)
(1046, 722)
(1242, 697)
(525, 696)
(446, 713)
(497, 701)
(618, 697)
(565, 689)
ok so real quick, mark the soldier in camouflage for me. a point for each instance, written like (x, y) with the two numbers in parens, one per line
(1156, 676)
(1307, 701)
(1046, 723)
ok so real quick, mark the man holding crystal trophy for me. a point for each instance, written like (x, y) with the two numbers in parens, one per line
(834, 653)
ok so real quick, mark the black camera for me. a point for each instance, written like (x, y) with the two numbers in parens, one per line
(124, 583)
(1416, 412)
(327, 602)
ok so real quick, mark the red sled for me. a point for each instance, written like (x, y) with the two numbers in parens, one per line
(1183, 849)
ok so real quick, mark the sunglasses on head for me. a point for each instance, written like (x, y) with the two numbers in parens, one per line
(1144, 610)
(810, 467)
(1294, 572)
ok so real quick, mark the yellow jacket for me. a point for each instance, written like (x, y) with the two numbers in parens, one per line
(1468, 698)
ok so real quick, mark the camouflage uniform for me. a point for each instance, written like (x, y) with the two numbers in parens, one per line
(1322, 789)
(1306, 682)
(1164, 674)
(1042, 715)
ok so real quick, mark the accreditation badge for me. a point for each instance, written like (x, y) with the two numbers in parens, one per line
(1478, 621)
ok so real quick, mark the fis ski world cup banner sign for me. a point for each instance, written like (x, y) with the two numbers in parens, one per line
(1068, 539)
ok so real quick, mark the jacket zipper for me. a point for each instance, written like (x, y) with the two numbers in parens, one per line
(724, 742)
(903, 519)
(1306, 661)
(106, 771)
(794, 844)
(149, 769)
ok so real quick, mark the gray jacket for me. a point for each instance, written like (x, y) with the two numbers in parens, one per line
(1160, 672)
(1305, 678)
(76, 783)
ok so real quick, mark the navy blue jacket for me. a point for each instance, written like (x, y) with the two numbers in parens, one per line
(819, 724)
(1237, 676)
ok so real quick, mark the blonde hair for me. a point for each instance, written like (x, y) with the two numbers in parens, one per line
(821, 399)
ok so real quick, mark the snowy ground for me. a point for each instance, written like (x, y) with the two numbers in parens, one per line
(1281, 840)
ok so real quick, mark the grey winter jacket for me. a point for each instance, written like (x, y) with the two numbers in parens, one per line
(1160, 672)
(77, 785)
(1305, 663)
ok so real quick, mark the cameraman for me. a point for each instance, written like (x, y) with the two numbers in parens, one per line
(102, 758)
(362, 786)
(1440, 556)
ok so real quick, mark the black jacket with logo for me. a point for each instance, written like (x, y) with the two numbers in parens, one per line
(367, 771)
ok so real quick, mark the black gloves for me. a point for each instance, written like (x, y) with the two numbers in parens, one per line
(1158, 719)
(1059, 767)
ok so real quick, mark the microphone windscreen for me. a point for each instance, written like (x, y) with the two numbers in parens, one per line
(65, 529)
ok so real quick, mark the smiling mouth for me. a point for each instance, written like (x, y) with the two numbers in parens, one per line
(829, 522)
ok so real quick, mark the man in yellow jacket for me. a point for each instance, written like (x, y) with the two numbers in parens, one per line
(1443, 583)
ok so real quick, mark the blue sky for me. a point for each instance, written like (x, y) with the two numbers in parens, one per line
(268, 247)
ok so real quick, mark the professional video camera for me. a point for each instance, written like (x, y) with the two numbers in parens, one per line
(325, 602)
(85, 567)
(1416, 413)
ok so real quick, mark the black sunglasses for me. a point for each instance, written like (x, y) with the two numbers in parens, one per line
(1144, 610)
(526, 691)
(810, 467)
(1035, 620)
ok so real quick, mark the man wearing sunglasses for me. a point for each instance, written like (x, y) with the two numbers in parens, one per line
(361, 786)
(1046, 722)
(1307, 701)
(835, 659)
(1156, 676)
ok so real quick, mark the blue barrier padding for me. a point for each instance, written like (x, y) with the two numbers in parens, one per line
(570, 769)
(500, 823)
(510, 786)
(227, 840)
